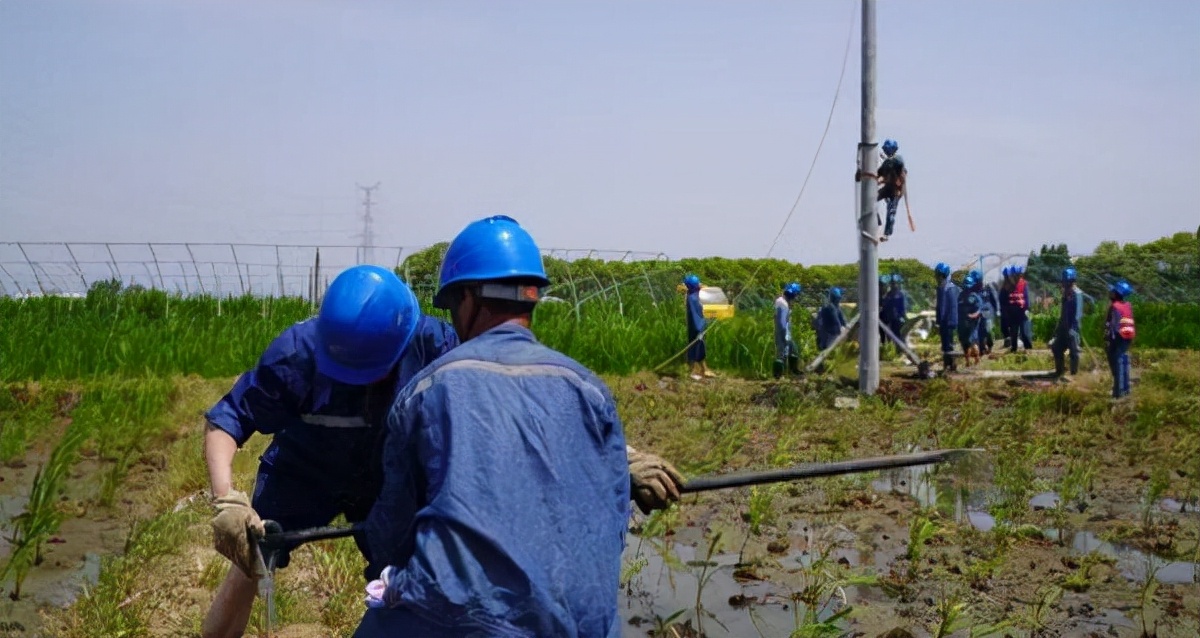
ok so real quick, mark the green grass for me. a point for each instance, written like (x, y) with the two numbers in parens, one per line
(148, 333)
(1159, 325)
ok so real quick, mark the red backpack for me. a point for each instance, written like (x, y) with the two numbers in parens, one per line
(1125, 325)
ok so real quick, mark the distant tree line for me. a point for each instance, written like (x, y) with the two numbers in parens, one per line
(1166, 269)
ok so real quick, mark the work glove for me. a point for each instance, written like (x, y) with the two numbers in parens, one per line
(653, 482)
(236, 530)
(377, 588)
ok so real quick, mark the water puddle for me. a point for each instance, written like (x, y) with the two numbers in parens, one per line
(1133, 563)
(733, 601)
(951, 493)
(1178, 507)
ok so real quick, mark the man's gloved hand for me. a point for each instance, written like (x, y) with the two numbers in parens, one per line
(653, 482)
(236, 530)
(377, 589)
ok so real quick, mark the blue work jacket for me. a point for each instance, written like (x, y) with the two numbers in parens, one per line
(321, 427)
(505, 498)
(695, 315)
(947, 305)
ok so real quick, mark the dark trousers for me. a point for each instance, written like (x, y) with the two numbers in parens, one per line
(1065, 340)
(892, 198)
(1020, 330)
(1118, 363)
(696, 352)
(947, 335)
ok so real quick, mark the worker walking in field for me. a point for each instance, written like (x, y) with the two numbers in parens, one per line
(1020, 329)
(892, 177)
(893, 310)
(785, 347)
(830, 320)
(322, 389)
(1066, 334)
(696, 325)
(989, 303)
(970, 314)
(505, 499)
(1003, 304)
(1119, 331)
(946, 313)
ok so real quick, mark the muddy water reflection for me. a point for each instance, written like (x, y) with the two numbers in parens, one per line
(964, 492)
(731, 606)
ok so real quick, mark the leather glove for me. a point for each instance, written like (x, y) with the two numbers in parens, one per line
(653, 482)
(236, 530)
(377, 589)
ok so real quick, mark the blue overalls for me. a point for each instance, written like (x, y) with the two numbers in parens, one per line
(324, 457)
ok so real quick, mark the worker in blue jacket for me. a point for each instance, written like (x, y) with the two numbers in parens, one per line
(893, 310)
(946, 313)
(785, 347)
(321, 389)
(1003, 304)
(970, 315)
(991, 304)
(505, 498)
(830, 320)
(697, 354)
(1066, 334)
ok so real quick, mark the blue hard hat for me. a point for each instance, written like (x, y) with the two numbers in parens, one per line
(1068, 274)
(890, 146)
(1122, 288)
(1018, 270)
(897, 278)
(791, 290)
(976, 274)
(367, 318)
(970, 280)
(1007, 271)
(942, 269)
(885, 279)
(692, 282)
(490, 249)
(835, 293)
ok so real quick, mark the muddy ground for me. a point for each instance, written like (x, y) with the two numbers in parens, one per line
(972, 549)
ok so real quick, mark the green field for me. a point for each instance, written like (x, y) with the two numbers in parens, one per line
(100, 437)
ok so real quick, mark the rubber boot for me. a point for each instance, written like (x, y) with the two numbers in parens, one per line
(948, 363)
(777, 368)
(705, 371)
(694, 371)
(794, 364)
(1074, 365)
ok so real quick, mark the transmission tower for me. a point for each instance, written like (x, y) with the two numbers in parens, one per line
(368, 233)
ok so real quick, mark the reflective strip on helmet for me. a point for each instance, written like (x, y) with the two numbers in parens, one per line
(329, 421)
(524, 370)
(511, 292)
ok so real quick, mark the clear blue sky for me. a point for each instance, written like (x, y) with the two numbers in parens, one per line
(681, 127)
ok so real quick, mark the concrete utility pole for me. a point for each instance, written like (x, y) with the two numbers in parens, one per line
(368, 234)
(868, 225)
